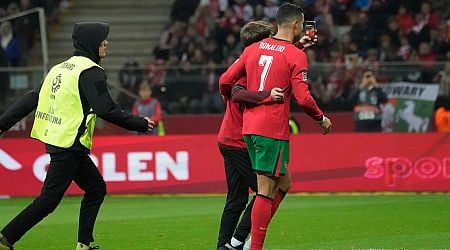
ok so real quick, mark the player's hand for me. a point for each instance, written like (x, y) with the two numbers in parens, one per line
(277, 94)
(307, 41)
(326, 125)
(151, 124)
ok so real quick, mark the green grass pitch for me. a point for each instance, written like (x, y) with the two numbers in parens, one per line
(364, 221)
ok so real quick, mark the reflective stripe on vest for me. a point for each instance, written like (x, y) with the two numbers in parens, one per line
(59, 113)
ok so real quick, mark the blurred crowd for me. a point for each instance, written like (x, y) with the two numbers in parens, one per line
(395, 39)
(384, 36)
(18, 36)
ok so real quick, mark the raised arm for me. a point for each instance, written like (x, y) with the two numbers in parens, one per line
(303, 96)
(247, 97)
(231, 75)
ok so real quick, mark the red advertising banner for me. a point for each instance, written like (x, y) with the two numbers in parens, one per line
(193, 164)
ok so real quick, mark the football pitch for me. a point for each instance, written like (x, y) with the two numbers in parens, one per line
(342, 221)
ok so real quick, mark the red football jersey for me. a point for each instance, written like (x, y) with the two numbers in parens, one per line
(268, 64)
(230, 132)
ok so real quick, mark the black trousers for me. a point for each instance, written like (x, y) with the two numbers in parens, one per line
(368, 126)
(240, 177)
(64, 168)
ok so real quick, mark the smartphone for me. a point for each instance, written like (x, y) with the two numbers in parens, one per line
(310, 28)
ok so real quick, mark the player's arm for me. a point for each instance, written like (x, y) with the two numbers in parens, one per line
(306, 42)
(231, 75)
(303, 96)
(240, 94)
(19, 110)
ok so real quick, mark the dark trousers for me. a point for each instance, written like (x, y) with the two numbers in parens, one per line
(368, 126)
(64, 168)
(240, 177)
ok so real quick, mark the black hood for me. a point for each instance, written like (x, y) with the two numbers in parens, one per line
(87, 37)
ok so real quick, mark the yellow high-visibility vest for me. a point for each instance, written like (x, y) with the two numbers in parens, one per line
(59, 113)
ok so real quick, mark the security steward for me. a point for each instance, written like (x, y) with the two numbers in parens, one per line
(72, 95)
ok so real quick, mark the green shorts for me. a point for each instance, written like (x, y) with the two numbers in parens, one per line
(269, 156)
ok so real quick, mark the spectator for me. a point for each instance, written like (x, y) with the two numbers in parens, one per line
(243, 10)
(427, 61)
(27, 27)
(362, 34)
(169, 40)
(334, 87)
(156, 73)
(213, 52)
(404, 19)
(377, 16)
(430, 16)
(443, 78)
(270, 9)
(225, 25)
(231, 47)
(212, 101)
(10, 44)
(205, 22)
(215, 7)
(442, 119)
(149, 106)
(393, 31)
(130, 76)
(327, 29)
(387, 49)
(371, 62)
(404, 51)
(439, 41)
(187, 54)
(193, 37)
(258, 12)
(367, 100)
(420, 32)
(182, 10)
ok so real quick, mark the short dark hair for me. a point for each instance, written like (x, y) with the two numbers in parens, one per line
(288, 12)
(255, 31)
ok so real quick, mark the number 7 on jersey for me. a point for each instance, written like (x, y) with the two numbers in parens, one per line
(265, 61)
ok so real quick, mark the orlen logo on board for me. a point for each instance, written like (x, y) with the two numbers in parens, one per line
(392, 168)
(140, 166)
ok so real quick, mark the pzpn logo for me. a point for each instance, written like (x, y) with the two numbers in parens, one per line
(56, 83)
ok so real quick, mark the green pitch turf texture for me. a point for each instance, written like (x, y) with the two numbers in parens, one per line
(363, 221)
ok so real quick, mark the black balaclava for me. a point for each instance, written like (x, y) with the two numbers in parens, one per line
(87, 37)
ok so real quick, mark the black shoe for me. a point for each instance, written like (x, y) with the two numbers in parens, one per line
(4, 244)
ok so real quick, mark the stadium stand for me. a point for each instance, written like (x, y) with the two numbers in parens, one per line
(398, 40)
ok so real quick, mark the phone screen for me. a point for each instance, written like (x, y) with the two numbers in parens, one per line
(310, 28)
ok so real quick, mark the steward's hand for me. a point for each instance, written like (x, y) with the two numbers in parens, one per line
(151, 124)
